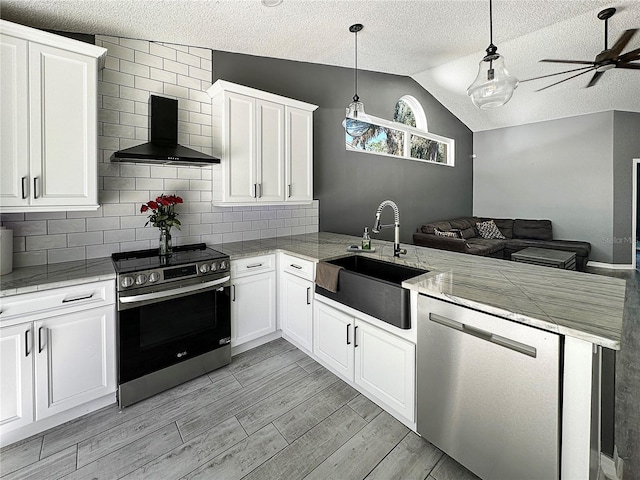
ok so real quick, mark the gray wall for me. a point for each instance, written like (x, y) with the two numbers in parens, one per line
(626, 147)
(562, 170)
(351, 185)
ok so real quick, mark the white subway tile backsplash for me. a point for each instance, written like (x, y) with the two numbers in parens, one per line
(146, 59)
(103, 223)
(66, 226)
(162, 51)
(189, 59)
(118, 51)
(176, 67)
(141, 45)
(134, 69)
(87, 238)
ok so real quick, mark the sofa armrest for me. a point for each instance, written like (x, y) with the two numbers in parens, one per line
(442, 243)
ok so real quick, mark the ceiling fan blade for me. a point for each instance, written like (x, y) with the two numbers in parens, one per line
(630, 56)
(565, 79)
(629, 66)
(595, 78)
(620, 44)
(557, 73)
(577, 62)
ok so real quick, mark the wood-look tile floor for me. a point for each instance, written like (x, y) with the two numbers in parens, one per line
(273, 413)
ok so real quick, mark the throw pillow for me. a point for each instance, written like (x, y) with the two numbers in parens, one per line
(450, 233)
(489, 229)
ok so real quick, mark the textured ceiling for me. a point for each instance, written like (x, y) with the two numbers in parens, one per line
(438, 43)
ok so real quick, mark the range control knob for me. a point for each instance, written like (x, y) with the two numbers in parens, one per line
(141, 279)
(204, 268)
(126, 282)
(154, 277)
(214, 267)
(223, 265)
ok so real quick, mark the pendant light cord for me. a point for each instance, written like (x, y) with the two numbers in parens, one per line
(490, 23)
(355, 74)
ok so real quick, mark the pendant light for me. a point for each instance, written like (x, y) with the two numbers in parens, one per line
(356, 121)
(494, 86)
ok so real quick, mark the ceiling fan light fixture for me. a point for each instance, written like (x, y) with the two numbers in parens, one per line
(494, 85)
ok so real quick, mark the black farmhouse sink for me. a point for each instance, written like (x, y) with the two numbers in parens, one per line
(374, 287)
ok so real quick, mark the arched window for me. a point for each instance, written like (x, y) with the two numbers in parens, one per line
(409, 111)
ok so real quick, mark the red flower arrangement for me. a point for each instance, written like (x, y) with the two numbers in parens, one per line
(163, 213)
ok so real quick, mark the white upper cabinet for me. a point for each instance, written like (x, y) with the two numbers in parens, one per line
(265, 142)
(49, 122)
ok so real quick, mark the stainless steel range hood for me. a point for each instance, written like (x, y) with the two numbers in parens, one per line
(163, 148)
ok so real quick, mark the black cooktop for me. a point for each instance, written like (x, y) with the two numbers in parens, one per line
(138, 260)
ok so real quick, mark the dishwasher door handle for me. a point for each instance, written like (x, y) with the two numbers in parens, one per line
(484, 335)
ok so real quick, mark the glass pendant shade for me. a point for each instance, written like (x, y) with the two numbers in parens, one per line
(494, 86)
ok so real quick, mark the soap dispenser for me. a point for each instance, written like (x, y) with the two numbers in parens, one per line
(366, 239)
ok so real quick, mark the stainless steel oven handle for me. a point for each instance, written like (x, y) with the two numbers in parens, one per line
(176, 291)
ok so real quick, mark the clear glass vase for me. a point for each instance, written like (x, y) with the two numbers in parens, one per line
(165, 246)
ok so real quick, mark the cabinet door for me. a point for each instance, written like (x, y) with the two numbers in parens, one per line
(297, 310)
(240, 144)
(385, 368)
(333, 339)
(253, 307)
(16, 377)
(270, 151)
(63, 127)
(75, 359)
(299, 155)
(14, 123)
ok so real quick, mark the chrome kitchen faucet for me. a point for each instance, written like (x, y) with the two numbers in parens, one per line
(396, 225)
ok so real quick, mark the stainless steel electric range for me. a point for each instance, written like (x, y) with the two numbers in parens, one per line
(174, 318)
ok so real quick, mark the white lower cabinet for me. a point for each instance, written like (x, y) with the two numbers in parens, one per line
(253, 298)
(55, 356)
(16, 374)
(379, 363)
(295, 300)
(73, 358)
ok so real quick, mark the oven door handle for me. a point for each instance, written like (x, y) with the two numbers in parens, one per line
(176, 291)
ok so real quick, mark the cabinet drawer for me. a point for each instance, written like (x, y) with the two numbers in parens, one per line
(47, 303)
(251, 265)
(297, 266)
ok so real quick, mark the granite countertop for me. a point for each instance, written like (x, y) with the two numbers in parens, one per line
(582, 305)
(55, 275)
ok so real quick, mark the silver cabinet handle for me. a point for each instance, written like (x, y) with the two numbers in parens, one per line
(296, 266)
(485, 335)
(25, 187)
(355, 336)
(260, 186)
(348, 342)
(233, 298)
(289, 191)
(254, 265)
(76, 299)
(35, 187)
(308, 291)
(255, 190)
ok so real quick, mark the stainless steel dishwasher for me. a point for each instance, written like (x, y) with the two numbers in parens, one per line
(488, 392)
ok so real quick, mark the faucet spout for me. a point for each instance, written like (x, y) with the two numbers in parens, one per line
(396, 225)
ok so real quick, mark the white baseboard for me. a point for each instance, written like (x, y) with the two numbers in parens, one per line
(611, 266)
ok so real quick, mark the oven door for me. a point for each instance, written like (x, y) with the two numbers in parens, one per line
(157, 333)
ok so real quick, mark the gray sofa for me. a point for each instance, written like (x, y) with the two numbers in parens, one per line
(519, 234)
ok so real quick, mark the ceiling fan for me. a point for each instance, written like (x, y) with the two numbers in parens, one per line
(606, 60)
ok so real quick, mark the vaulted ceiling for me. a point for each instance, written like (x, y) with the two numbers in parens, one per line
(438, 43)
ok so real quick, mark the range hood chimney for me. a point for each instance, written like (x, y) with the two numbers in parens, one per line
(163, 149)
